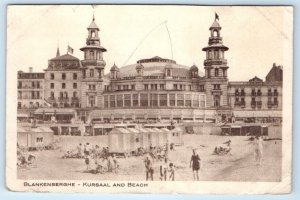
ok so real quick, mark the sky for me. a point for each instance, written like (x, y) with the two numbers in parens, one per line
(257, 37)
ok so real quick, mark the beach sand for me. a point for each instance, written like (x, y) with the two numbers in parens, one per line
(238, 166)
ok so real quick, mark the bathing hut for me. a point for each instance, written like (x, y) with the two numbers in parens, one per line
(145, 138)
(34, 137)
(152, 137)
(176, 136)
(135, 139)
(119, 140)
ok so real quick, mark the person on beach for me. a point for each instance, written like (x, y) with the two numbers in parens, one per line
(164, 170)
(87, 162)
(115, 163)
(195, 164)
(258, 149)
(87, 149)
(149, 169)
(80, 151)
(172, 172)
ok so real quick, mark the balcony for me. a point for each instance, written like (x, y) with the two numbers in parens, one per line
(240, 103)
(259, 93)
(270, 104)
(75, 99)
(275, 93)
(270, 94)
(51, 99)
(63, 99)
(210, 62)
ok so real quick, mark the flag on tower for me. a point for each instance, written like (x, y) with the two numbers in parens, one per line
(70, 50)
(216, 16)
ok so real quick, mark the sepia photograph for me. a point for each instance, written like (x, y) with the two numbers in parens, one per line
(149, 98)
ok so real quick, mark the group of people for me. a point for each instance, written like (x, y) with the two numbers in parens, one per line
(167, 168)
(97, 160)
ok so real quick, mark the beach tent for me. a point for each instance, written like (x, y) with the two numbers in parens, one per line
(34, 137)
(153, 137)
(176, 136)
(135, 138)
(119, 140)
(145, 137)
(166, 136)
(160, 136)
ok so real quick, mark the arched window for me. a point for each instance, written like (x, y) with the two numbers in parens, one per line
(52, 94)
(74, 94)
(215, 33)
(93, 34)
(92, 55)
(66, 94)
(168, 72)
(61, 94)
(91, 72)
(216, 72)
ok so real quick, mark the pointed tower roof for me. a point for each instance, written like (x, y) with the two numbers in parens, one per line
(215, 25)
(93, 24)
(114, 68)
(57, 52)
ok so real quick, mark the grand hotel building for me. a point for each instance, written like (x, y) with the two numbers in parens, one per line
(152, 88)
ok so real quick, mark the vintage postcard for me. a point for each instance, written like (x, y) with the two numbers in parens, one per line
(149, 99)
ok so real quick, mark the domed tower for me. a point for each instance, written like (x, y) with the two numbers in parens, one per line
(215, 66)
(92, 68)
(114, 72)
(194, 71)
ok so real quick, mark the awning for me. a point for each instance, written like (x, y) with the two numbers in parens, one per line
(52, 111)
(259, 113)
(104, 126)
(24, 115)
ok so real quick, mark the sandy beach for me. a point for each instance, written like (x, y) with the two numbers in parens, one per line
(238, 166)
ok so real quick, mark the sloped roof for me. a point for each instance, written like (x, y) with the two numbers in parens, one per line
(255, 79)
(65, 57)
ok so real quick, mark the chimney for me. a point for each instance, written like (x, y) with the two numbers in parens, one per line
(30, 70)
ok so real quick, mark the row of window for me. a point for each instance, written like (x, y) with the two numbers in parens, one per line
(63, 76)
(63, 86)
(63, 95)
(31, 95)
(215, 54)
(256, 92)
(216, 72)
(255, 101)
(153, 100)
(32, 84)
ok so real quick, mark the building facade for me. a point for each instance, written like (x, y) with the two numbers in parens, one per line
(30, 89)
(158, 88)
